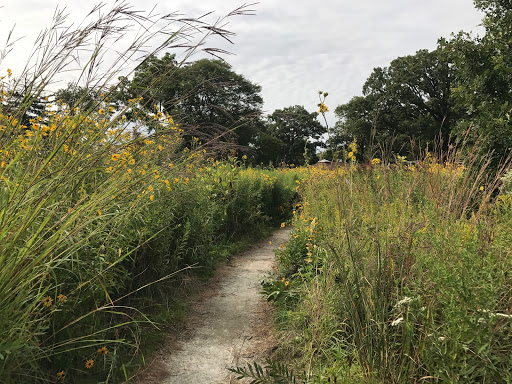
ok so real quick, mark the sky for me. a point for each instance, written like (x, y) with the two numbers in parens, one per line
(291, 48)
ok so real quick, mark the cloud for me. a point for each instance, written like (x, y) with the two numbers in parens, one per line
(293, 48)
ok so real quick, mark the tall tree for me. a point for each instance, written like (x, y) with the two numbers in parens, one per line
(290, 133)
(409, 100)
(484, 78)
(205, 94)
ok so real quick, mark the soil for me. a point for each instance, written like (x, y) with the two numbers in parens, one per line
(229, 324)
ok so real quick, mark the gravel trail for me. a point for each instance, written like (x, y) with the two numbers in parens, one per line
(228, 325)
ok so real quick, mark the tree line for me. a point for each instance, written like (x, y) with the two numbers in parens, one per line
(461, 89)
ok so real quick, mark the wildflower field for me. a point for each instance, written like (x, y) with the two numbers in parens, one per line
(93, 218)
(397, 273)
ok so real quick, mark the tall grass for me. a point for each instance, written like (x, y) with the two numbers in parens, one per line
(95, 210)
(404, 274)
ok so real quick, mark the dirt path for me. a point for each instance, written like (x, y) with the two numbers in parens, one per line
(228, 325)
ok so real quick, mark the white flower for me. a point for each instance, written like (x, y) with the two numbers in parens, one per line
(396, 322)
(504, 315)
(404, 301)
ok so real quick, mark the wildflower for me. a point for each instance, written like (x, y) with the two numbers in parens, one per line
(482, 188)
(103, 351)
(286, 283)
(282, 280)
(322, 108)
(396, 322)
(375, 161)
(405, 300)
(101, 111)
(89, 363)
(150, 188)
(152, 197)
(61, 376)
(115, 157)
(99, 213)
(270, 243)
(283, 225)
(47, 301)
(62, 298)
(9, 72)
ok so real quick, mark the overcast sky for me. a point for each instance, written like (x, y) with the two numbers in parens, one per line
(292, 48)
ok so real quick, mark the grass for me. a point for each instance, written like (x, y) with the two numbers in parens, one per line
(101, 218)
(399, 273)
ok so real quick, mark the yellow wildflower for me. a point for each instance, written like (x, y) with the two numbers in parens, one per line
(62, 298)
(103, 351)
(47, 301)
(89, 363)
(322, 108)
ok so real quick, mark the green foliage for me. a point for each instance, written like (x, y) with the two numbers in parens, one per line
(289, 133)
(408, 279)
(408, 101)
(273, 373)
(483, 79)
(206, 96)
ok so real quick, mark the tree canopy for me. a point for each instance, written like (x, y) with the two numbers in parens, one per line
(206, 95)
(483, 86)
(291, 136)
(409, 100)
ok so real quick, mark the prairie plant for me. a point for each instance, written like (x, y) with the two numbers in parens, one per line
(412, 268)
(75, 184)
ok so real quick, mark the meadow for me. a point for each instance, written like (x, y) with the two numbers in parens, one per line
(107, 209)
(397, 273)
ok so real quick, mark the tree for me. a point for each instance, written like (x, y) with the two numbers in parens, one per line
(291, 132)
(484, 78)
(76, 96)
(409, 100)
(205, 94)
